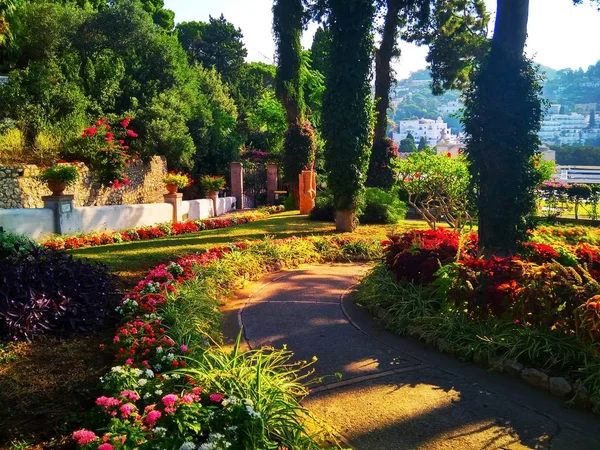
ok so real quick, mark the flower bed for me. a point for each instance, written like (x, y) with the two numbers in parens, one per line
(155, 232)
(170, 389)
(540, 308)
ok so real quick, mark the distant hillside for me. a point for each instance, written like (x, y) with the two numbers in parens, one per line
(413, 97)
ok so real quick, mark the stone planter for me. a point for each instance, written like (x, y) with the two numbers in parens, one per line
(172, 188)
(214, 196)
(57, 187)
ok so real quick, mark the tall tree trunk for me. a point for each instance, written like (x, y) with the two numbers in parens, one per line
(504, 142)
(383, 71)
(388, 49)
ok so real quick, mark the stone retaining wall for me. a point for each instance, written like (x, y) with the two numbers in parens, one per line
(19, 187)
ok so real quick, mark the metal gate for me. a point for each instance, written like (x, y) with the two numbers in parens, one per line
(255, 185)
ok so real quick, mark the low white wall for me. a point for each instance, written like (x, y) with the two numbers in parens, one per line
(30, 222)
(100, 218)
(197, 209)
(39, 222)
(225, 205)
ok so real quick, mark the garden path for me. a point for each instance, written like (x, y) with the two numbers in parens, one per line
(394, 392)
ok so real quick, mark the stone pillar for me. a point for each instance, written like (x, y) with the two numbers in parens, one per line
(62, 205)
(308, 191)
(237, 184)
(272, 183)
(175, 200)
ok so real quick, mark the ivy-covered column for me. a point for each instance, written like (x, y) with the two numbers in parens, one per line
(347, 105)
(300, 143)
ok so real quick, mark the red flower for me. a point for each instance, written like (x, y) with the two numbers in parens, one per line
(109, 137)
(125, 122)
(132, 134)
(449, 155)
(91, 131)
(417, 175)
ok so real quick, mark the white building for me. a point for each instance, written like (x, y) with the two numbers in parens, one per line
(563, 129)
(431, 130)
(554, 109)
(452, 107)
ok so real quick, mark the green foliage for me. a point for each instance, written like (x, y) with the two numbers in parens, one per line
(287, 28)
(212, 183)
(407, 145)
(347, 111)
(14, 243)
(63, 172)
(300, 150)
(381, 173)
(320, 49)
(382, 206)
(423, 145)
(73, 65)
(213, 125)
(324, 210)
(399, 305)
(568, 155)
(290, 202)
(501, 161)
(214, 44)
(437, 187)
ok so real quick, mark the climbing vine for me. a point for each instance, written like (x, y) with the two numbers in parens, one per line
(347, 104)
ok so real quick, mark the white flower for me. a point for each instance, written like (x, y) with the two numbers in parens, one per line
(188, 446)
(149, 374)
(158, 392)
(159, 431)
(176, 376)
(159, 350)
(232, 400)
(252, 413)
(158, 367)
(248, 402)
(138, 372)
(232, 428)
(116, 369)
(147, 395)
(142, 382)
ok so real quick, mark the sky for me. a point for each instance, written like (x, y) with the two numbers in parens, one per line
(560, 35)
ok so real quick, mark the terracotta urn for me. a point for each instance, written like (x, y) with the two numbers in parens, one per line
(172, 188)
(57, 187)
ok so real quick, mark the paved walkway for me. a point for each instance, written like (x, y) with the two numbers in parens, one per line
(394, 393)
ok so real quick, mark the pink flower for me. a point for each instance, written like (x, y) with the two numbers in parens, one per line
(107, 402)
(152, 417)
(125, 122)
(131, 395)
(183, 348)
(84, 436)
(170, 410)
(217, 398)
(169, 400)
(187, 399)
(126, 410)
(132, 134)
(129, 361)
(105, 446)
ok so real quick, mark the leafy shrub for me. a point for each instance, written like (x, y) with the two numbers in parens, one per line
(210, 183)
(12, 147)
(14, 243)
(47, 292)
(587, 318)
(63, 172)
(561, 234)
(324, 210)
(179, 179)
(417, 255)
(544, 295)
(289, 203)
(382, 207)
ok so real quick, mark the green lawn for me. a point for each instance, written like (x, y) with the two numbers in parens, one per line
(131, 260)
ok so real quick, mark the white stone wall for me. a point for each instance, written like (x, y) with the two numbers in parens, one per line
(30, 222)
(39, 222)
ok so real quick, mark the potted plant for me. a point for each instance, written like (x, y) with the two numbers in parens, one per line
(176, 180)
(59, 177)
(211, 185)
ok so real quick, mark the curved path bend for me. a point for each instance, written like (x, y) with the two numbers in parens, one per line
(394, 393)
